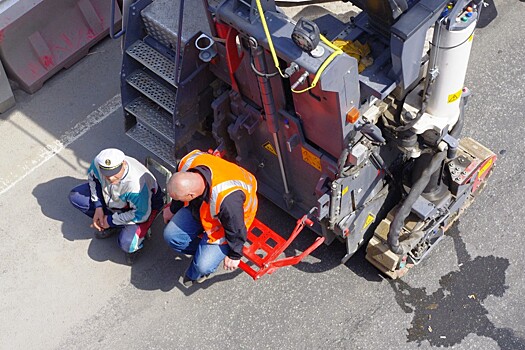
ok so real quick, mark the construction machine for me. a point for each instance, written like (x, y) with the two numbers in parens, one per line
(351, 127)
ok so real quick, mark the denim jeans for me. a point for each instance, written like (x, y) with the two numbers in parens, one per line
(185, 235)
(131, 236)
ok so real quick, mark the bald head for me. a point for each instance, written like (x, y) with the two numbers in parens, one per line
(184, 186)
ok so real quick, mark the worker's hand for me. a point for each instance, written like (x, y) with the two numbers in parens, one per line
(230, 264)
(98, 219)
(105, 223)
(167, 214)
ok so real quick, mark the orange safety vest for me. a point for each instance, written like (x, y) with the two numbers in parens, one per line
(226, 178)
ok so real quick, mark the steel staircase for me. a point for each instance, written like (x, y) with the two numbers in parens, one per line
(158, 115)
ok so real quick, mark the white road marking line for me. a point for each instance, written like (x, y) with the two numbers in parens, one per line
(68, 138)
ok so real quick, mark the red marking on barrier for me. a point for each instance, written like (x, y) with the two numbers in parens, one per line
(60, 48)
(90, 34)
(80, 37)
(34, 68)
(47, 61)
(66, 40)
(1, 35)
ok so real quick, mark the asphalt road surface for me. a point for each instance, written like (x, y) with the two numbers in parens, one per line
(62, 289)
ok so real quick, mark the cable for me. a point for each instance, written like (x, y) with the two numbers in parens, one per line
(337, 51)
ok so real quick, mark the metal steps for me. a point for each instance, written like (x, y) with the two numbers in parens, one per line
(152, 117)
(153, 60)
(150, 89)
(160, 20)
(144, 136)
(155, 91)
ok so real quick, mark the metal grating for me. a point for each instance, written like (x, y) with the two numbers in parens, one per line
(161, 21)
(153, 60)
(155, 91)
(154, 144)
(153, 117)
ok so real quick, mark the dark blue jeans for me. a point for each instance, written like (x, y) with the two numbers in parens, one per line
(130, 237)
(182, 234)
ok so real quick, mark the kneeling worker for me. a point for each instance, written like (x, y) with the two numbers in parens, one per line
(121, 195)
(214, 202)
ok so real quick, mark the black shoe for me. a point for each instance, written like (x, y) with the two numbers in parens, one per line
(107, 232)
(132, 257)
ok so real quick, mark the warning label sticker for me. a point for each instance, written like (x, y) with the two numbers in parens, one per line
(484, 168)
(311, 158)
(454, 97)
(268, 146)
(369, 219)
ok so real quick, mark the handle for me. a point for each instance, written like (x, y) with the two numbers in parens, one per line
(112, 33)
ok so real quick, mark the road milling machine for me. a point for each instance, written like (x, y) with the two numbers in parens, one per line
(351, 127)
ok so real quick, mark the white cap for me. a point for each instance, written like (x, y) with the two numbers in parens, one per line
(110, 161)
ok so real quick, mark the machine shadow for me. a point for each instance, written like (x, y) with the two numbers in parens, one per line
(328, 256)
(488, 14)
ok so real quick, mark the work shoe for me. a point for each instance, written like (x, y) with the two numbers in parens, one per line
(107, 232)
(132, 257)
(187, 282)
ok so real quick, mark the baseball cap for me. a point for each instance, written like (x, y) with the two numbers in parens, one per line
(110, 161)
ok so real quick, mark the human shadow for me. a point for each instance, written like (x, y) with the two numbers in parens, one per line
(52, 196)
(160, 268)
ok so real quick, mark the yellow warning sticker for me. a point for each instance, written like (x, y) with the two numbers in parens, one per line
(344, 191)
(311, 158)
(369, 219)
(470, 38)
(268, 146)
(484, 168)
(454, 97)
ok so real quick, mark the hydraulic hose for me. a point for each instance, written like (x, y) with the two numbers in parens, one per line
(413, 195)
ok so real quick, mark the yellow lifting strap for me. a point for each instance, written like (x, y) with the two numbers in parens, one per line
(361, 52)
(337, 51)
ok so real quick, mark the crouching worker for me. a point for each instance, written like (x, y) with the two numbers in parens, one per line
(214, 202)
(121, 196)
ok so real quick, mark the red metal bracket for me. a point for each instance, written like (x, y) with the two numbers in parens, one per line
(233, 59)
(266, 246)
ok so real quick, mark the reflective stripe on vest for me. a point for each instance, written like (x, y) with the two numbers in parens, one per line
(188, 159)
(224, 186)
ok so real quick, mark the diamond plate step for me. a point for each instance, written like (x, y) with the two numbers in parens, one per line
(153, 60)
(156, 92)
(153, 143)
(152, 116)
(160, 20)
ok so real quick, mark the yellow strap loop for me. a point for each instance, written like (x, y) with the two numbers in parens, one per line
(337, 51)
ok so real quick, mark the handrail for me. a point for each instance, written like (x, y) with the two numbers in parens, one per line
(112, 33)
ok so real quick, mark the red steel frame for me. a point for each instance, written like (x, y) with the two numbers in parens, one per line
(268, 263)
